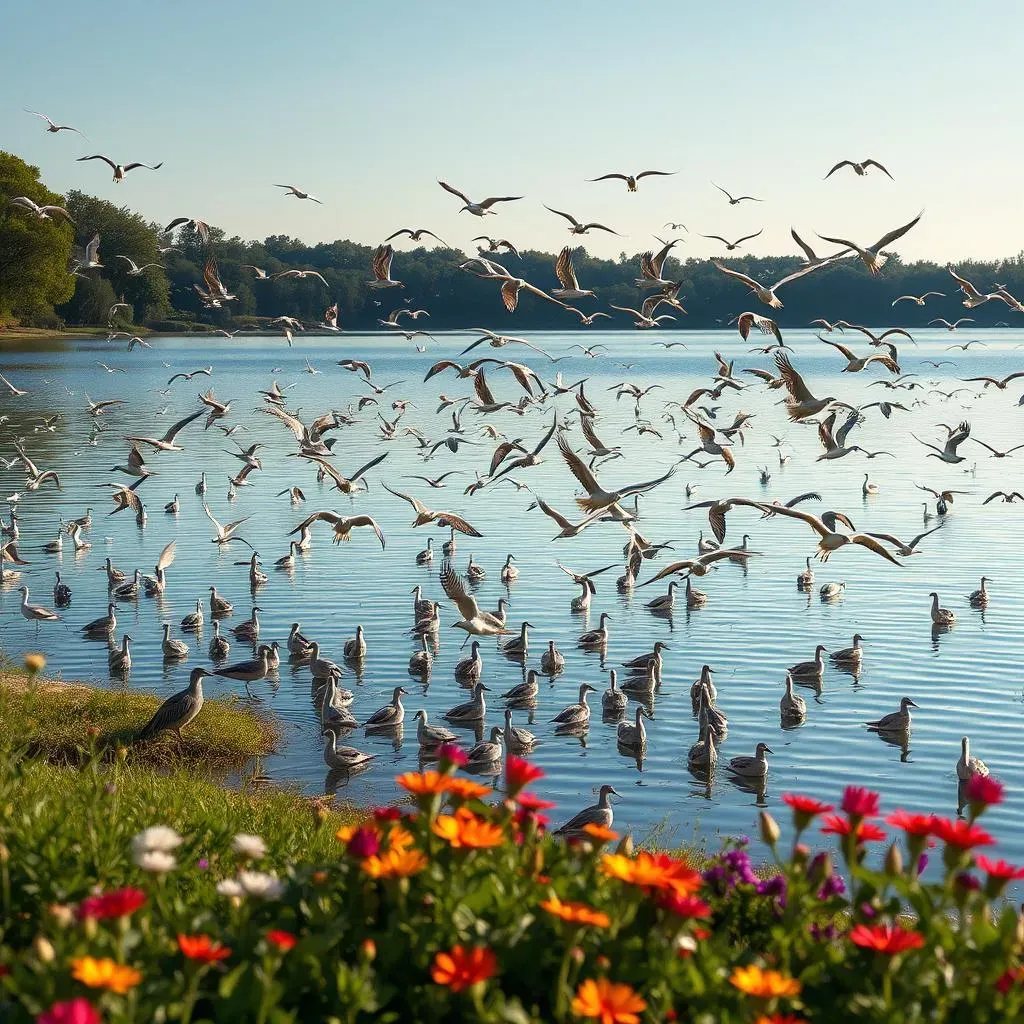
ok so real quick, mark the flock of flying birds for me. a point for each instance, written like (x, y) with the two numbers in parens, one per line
(572, 432)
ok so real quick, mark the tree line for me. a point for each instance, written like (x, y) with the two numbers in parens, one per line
(37, 289)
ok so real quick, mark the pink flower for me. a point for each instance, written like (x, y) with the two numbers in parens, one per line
(365, 842)
(519, 773)
(998, 868)
(983, 789)
(860, 803)
(75, 1011)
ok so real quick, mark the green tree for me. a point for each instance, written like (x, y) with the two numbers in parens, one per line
(34, 253)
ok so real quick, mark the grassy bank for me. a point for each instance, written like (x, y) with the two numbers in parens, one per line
(62, 722)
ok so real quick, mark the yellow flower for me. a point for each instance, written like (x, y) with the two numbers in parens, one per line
(104, 973)
(464, 829)
(608, 1001)
(400, 839)
(652, 871)
(766, 984)
(35, 663)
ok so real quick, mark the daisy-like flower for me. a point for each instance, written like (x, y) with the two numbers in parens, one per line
(466, 789)
(260, 884)
(464, 830)
(576, 913)
(805, 809)
(105, 973)
(35, 663)
(363, 842)
(983, 791)
(395, 864)
(519, 773)
(156, 862)
(230, 887)
(532, 802)
(867, 832)
(912, 824)
(428, 783)
(249, 846)
(460, 968)
(608, 1002)
(74, 1011)
(281, 940)
(451, 755)
(960, 834)
(156, 837)
(600, 833)
(652, 871)
(998, 868)
(203, 949)
(119, 903)
(889, 939)
(859, 802)
(688, 907)
(755, 981)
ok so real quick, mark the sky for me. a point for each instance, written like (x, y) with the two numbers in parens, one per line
(366, 106)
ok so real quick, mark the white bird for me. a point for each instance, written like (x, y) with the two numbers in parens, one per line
(133, 269)
(871, 255)
(482, 208)
(120, 170)
(53, 127)
(298, 193)
(968, 767)
(42, 212)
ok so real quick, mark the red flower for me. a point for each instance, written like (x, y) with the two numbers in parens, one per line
(860, 803)
(520, 773)
(886, 938)
(203, 948)
(684, 906)
(1009, 978)
(867, 832)
(532, 802)
(983, 789)
(281, 939)
(998, 868)
(912, 824)
(365, 842)
(75, 1011)
(119, 903)
(383, 814)
(805, 804)
(460, 968)
(524, 817)
(450, 755)
(961, 834)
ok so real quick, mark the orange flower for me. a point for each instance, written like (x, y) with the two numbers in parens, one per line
(600, 833)
(652, 871)
(576, 913)
(780, 1018)
(608, 1002)
(395, 864)
(399, 838)
(105, 973)
(467, 789)
(464, 829)
(460, 968)
(426, 783)
(346, 832)
(766, 984)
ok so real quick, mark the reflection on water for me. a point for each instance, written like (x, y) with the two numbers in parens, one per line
(754, 623)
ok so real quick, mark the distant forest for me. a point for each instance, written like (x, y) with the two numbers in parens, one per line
(36, 288)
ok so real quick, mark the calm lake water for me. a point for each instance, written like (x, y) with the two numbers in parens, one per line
(754, 625)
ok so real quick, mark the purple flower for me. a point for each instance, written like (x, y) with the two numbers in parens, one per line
(922, 863)
(968, 881)
(823, 933)
(832, 886)
(202, 863)
(775, 886)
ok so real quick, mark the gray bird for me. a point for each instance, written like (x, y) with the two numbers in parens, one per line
(178, 710)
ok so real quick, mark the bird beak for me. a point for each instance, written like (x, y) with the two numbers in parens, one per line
(912, 704)
(768, 750)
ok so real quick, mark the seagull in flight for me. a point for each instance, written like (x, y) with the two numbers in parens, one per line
(51, 127)
(871, 255)
(730, 246)
(578, 228)
(480, 209)
(734, 200)
(918, 299)
(416, 234)
(120, 170)
(133, 269)
(631, 180)
(42, 212)
(298, 193)
(860, 169)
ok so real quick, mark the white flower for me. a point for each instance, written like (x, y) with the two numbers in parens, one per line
(229, 887)
(158, 862)
(249, 846)
(156, 837)
(258, 883)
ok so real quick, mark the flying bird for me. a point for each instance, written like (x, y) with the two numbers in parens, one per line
(42, 212)
(735, 200)
(120, 170)
(298, 193)
(730, 246)
(631, 180)
(482, 208)
(860, 169)
(54, 128)
(871, 255)
(578, 228)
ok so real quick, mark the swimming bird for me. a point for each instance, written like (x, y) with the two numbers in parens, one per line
(979, 597)
(343, 758)
(523, 694)
(578, 714)
(100, 627)
(755, 767)
(486, 752)
(666, 602)
(792, 707)
(469, 670)
(355, 649)
(897, 721)
(850, 656)
(703, 755)
(941, 616)
(552, 661)
(810, 669)
(599, 814)
(391, 714)
(472, 710)
(219, 605)
(518, 647)
(178, 710)
(633, 735)
(61, 593)
(219, 646)
(613, 700)
(596, 637)
(250, 629)
(831, 591)
(430, 736)
(968, 767)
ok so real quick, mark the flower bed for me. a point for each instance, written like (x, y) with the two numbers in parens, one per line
(459, 906)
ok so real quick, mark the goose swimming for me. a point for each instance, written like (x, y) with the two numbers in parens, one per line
(552, 661)
(703, 755)
(250, 629)
(810, 669)
(430, 736)
(487, 751)
(755, 767)
(633, 736)
(978, 599)
(219, 646)
(666, 602)
(968, 767)
(61, 593)
(523, 694)
(599, 814)
(596, 637)
(516, 739)
(470, 669)
(851, 656)
(392, 714)
(940, 616)
(518, 647)
(577, 714)
(421, 661)
(120, 659)
(472, 710)
(173, 649)
(355, 649)
(897, 721)
(613, 700)
(343, 758)
(98, 627)
(792, 707)
(703, 688)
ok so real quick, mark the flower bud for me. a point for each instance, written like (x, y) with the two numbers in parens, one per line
(820, 868)
(62, 914)
(35, 663)
(625, 846)
(577, 954)
(368, 950)
(601, 962)
(894, 861)
(770, 831)
(43, 949)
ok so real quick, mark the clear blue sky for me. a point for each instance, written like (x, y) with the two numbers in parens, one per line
(366, 110)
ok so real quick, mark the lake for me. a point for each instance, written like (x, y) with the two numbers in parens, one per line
(756, 622)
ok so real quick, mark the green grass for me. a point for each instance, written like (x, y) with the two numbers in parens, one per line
(61, 722)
